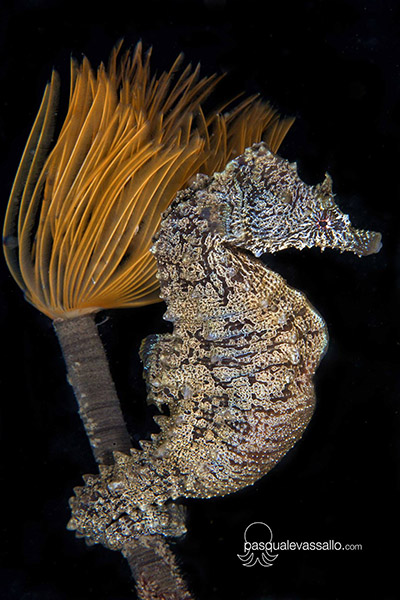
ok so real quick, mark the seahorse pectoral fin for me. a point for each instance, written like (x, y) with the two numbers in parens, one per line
(147, 349)
(159, 354)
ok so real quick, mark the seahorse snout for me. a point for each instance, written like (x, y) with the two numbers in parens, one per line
(375, 244)
(364, 243)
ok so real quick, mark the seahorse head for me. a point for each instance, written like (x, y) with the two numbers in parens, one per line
(267, 207)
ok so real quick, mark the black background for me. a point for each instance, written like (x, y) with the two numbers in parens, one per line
(335, 66)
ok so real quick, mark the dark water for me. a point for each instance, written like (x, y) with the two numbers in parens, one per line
(335, 66)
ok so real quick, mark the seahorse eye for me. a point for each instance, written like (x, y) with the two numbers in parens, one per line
(323, 220)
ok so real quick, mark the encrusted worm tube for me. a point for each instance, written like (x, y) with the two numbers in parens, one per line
(149, 555)
(151, 561)
(90, 377)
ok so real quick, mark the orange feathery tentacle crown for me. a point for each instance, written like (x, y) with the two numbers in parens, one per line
(81, 218)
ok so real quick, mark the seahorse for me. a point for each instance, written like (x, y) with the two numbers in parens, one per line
(236, 374)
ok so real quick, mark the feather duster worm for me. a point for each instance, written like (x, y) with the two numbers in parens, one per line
(81, 219)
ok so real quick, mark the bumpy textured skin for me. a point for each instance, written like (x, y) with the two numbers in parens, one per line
(236, 373)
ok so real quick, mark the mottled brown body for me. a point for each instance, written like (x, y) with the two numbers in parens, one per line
(236, 373)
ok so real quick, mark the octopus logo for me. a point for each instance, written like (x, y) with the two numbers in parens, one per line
(257, 545)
